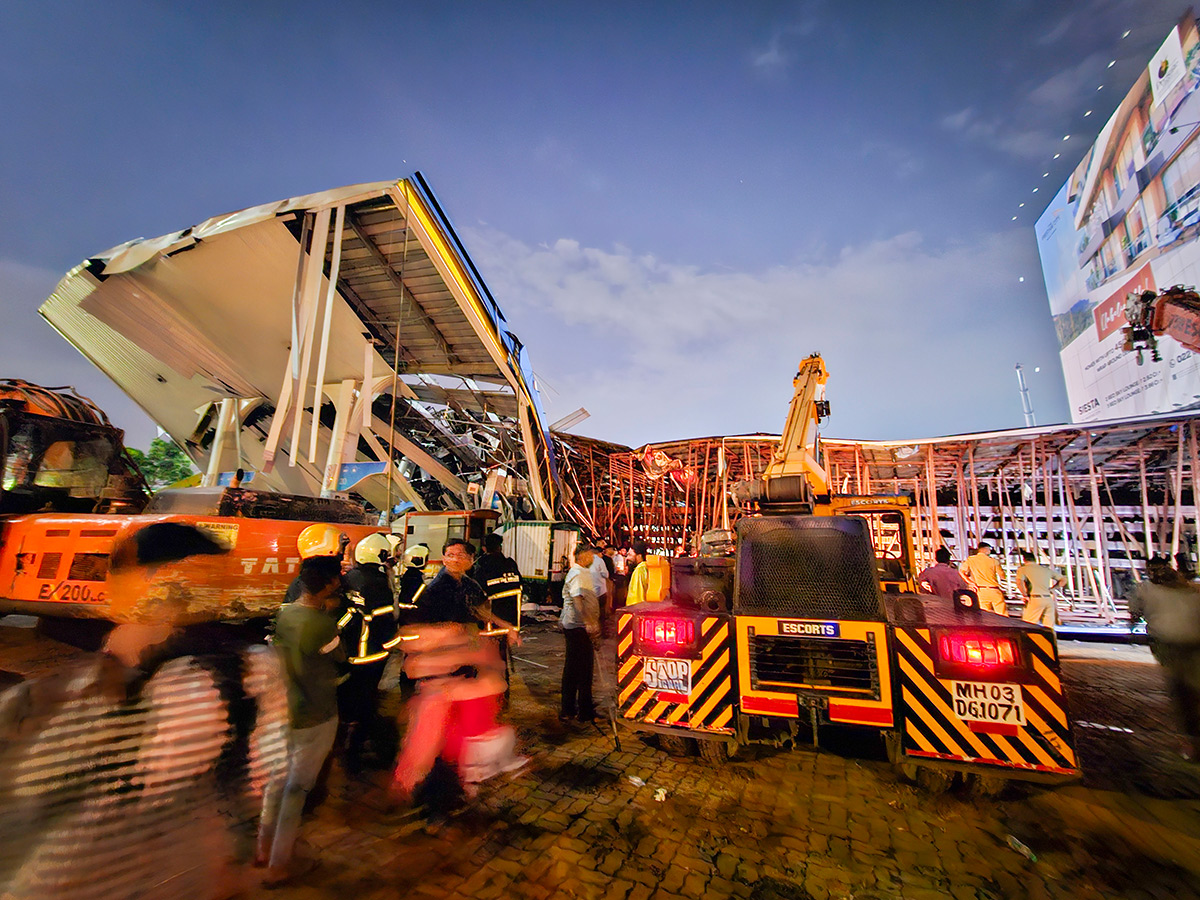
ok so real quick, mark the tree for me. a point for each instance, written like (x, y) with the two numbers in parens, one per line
(164, 463)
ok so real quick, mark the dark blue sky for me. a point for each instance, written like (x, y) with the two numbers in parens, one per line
(673, 202)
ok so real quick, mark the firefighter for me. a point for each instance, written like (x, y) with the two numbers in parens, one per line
(500, 579)
(412, 582)
(368, 631)
(316, 541)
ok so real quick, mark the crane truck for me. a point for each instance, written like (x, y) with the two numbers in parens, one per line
(808, 624)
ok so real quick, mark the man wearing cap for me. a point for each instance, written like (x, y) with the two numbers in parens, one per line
(983, 572)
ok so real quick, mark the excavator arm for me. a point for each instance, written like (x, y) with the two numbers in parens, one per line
(795, 479)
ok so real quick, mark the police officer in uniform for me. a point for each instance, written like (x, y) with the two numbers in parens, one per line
(368, 632)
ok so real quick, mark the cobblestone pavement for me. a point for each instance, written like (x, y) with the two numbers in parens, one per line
(777, 823)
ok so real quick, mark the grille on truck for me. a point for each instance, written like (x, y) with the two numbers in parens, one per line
(807, 567)
(819, 662)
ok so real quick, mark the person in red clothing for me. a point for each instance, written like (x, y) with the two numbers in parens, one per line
(453, 739)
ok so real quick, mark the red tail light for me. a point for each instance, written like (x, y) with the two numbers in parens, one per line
(978, 650)
(667, 632)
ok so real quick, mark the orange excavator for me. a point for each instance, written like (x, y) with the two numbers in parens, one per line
(1174, 312)
(70, 493)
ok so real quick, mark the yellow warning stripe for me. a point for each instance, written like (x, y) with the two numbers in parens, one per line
(722, 693)
(627, 667)
(700, 688)
(677, 714)
(1044, 672)
(1044, 730)
(1027, 739)
(939, 706)
(934, 725)
(723, 719)
(1043, 698)
(707, 625)
(659, 708)
(624, 645)
(917, 650)
(712, 647)
(638, 704)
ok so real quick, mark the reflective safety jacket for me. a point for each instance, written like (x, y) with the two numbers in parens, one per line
(412, 586)
(501, 582)
(368, 622)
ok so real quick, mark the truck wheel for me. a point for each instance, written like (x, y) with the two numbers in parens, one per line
(676, 745)
(986, 786)
(717, 752)
(934, 781)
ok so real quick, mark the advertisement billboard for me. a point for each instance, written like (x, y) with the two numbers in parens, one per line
(1127, 221)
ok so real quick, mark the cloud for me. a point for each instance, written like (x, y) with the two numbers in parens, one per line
(776, 57)
(1058, 32)
(920, 340)
(902, 162)
(1032, 128)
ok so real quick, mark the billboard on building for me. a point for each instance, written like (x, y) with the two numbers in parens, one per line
(1127, 221)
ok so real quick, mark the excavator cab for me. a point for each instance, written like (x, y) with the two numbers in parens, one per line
(54, 464)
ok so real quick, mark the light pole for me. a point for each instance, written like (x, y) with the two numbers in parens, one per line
(1026, 406)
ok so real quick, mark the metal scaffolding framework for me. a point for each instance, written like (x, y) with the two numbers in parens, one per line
(1051, 490)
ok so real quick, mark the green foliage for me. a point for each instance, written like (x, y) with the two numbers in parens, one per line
(164, 463)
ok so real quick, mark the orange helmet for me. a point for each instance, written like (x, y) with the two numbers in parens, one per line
(319, 540)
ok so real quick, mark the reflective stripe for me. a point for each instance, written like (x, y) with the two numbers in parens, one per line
(406, 606)
(419, 592)
(362, 640)
(513, 593)
(393, 642)
(381, 610)
(344, 620)
(374, 657)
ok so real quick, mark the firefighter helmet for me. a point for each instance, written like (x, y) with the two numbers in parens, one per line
(319, 540)
(417, 556)
(396, 543)
(374, 548)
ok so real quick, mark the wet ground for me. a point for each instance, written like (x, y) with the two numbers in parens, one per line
(584, 819)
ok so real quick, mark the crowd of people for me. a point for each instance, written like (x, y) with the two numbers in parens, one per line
(339, 628)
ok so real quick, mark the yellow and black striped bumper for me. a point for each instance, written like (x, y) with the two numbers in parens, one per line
(931, 728)
(708, 707)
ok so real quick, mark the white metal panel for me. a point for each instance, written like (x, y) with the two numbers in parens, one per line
(528, 543)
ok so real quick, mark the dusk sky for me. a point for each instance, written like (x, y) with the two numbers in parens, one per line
(672, 202)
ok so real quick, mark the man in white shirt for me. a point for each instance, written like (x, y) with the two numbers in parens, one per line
(602, 583)
(581, 623)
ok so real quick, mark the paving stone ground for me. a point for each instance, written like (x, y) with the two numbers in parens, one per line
(785, 823)
(777, 823)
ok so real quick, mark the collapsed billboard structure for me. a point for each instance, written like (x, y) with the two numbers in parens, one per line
(1127, 222)
(339, 341)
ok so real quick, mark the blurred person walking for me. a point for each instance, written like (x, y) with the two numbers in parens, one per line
(1171, 607)
(306, 639)
(452, 738)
